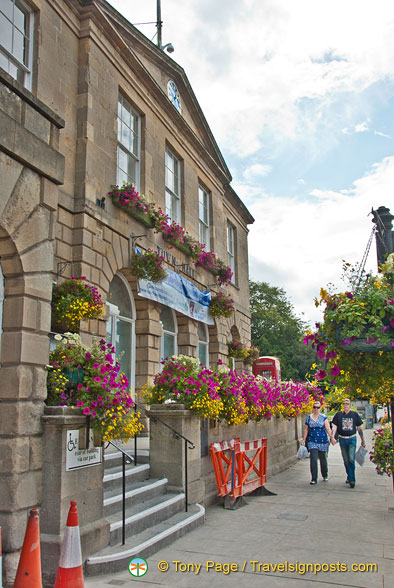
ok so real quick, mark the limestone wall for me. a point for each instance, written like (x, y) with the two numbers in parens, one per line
(31, 168)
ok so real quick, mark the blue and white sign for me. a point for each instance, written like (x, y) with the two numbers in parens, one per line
(180, 294)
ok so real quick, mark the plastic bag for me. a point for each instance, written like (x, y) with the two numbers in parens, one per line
(302, 452)
(361, 454)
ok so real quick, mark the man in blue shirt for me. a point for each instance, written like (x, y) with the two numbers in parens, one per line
(348, 422)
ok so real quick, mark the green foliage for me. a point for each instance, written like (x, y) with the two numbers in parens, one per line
(148, 265)
(277, 331)
(382, 451)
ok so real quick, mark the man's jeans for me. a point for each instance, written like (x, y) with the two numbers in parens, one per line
(348, 448)
(322, 455)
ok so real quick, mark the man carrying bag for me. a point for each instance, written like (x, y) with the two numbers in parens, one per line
(348, 422)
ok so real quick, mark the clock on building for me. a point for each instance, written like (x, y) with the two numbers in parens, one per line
(173, 94)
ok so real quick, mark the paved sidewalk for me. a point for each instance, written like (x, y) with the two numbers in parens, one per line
(327, 523)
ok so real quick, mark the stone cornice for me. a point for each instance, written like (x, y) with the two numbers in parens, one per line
(28, 97)
(109, 22)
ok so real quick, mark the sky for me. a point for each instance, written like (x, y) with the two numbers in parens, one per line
(300, 98)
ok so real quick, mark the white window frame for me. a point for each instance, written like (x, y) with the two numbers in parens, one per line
(204, 216)
(133, 155)
(23, 68)
(113, 317)
(204, 344)
(173, 196)
(172, 333)
(231, 248)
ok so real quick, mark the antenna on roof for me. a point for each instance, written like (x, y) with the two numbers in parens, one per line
(159, 23)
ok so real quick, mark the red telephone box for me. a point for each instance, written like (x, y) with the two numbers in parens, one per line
(267, 367)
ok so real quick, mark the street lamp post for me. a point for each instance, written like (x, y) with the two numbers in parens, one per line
(384, 246)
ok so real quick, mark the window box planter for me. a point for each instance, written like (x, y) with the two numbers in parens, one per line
(184, 247)
(138, 215)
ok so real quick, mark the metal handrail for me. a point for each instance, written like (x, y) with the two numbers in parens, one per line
(125, 456)
(176, 435)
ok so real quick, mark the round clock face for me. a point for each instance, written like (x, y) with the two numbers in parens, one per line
(173, 94)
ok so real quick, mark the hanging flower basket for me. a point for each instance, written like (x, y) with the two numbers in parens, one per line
(221, 305)
(364, 343)
(89, 378)
(357, 332)
(148, 265)
(237, 349)
(74, 300)
(253, 354)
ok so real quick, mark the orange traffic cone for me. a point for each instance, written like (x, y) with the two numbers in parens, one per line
(28, 574)
(69, 572)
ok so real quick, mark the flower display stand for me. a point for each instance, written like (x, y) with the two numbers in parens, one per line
(167, 454)
(69, 473)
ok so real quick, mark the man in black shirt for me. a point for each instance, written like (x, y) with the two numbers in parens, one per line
(348, 422)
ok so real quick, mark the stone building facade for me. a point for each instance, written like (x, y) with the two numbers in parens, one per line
(86, 102)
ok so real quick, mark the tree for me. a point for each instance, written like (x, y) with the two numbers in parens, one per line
(277, 331)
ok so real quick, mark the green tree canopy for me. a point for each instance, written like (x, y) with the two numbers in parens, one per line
(277, 331)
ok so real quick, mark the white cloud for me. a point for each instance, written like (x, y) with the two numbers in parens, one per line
(382, 134)
(300, 245)
(256, 171)
(255, 63)
(274, 72)
(361, 127)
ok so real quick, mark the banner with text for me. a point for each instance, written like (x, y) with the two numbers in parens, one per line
(180, 294)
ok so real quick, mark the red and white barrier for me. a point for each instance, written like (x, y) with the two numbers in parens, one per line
(69, 573)
(237, 474)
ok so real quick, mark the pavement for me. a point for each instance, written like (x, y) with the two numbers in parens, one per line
(329, 526)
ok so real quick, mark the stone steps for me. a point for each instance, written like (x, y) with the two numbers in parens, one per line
(154, 517)
(146, 514)
(116, 558)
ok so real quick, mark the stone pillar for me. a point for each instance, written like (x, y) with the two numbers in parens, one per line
(148, 331)
(167, 454)
(85, 485)
(187, 336)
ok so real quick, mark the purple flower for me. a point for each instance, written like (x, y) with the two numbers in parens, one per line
(335, 371)
(321, 350)
(86, 411)
(87, 355)
(321, 374)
